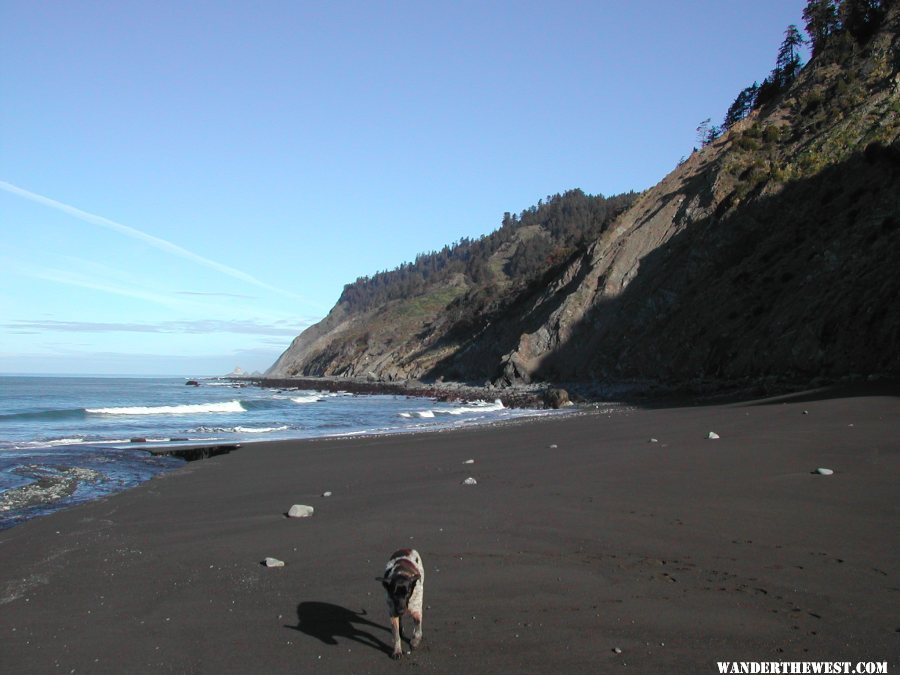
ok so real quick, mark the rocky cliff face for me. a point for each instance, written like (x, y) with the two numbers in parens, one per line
(772, 251)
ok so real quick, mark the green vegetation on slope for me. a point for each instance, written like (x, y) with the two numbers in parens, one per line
(566, 222)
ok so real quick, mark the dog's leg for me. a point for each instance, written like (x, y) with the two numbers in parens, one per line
(417, 629)
(395, 628)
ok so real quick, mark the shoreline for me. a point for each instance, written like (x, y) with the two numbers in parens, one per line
(581, 537)
(523, 397)
(43, 497)
(540, 395)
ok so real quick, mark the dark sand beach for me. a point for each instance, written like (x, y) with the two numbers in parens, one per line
(679, 553)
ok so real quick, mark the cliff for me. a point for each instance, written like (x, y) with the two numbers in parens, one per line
(770, 252)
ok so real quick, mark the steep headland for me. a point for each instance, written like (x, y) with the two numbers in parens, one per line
(769, 253)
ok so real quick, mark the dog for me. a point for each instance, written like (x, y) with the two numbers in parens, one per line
(404, 581)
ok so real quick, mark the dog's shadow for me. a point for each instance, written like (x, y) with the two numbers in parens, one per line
(328, 622)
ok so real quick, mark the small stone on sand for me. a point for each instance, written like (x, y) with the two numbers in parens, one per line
(822, 471)
(300, 511)
(554, 446)
(713, 435)
(469, 461)
(617, 650)
(470, 481)
(274, 562)
(326, 494)
(654, 440)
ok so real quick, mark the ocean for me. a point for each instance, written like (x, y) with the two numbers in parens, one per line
(67, 440)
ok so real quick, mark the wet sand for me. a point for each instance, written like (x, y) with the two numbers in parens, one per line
(679, 553)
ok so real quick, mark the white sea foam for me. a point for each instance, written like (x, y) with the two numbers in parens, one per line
(259, 430)
(473, 407)
(190, 409)
(58, 442)
(237, 430)
(61, 441)
(311, 398)
(477, 407)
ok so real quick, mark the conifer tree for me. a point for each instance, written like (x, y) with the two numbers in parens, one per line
(769, 89)
(788, 63)
(821, 20)
(707, 132)
(742, 105)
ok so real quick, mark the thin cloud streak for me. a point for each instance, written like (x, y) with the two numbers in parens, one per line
(180, 300)
(81, 281)
(206, 294)
(156, 242)
(197, 327)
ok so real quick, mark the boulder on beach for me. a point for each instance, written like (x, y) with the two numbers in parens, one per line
(557, 398)
(300, 511)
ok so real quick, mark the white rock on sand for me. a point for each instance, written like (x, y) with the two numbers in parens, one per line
(274, 562)
(300, 511)
(822, 471)
(469, 461)
(713, 435)
(470, 481)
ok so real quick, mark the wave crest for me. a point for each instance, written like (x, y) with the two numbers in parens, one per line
(472, 407)
(312, 398)
(189, 409)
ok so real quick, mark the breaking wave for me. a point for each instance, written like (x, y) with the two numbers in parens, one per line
(191, 409)
(312, 398)
(238, 430)
(473, 407)
(260, 430)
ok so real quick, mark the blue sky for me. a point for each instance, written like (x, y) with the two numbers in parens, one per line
(185, 186)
